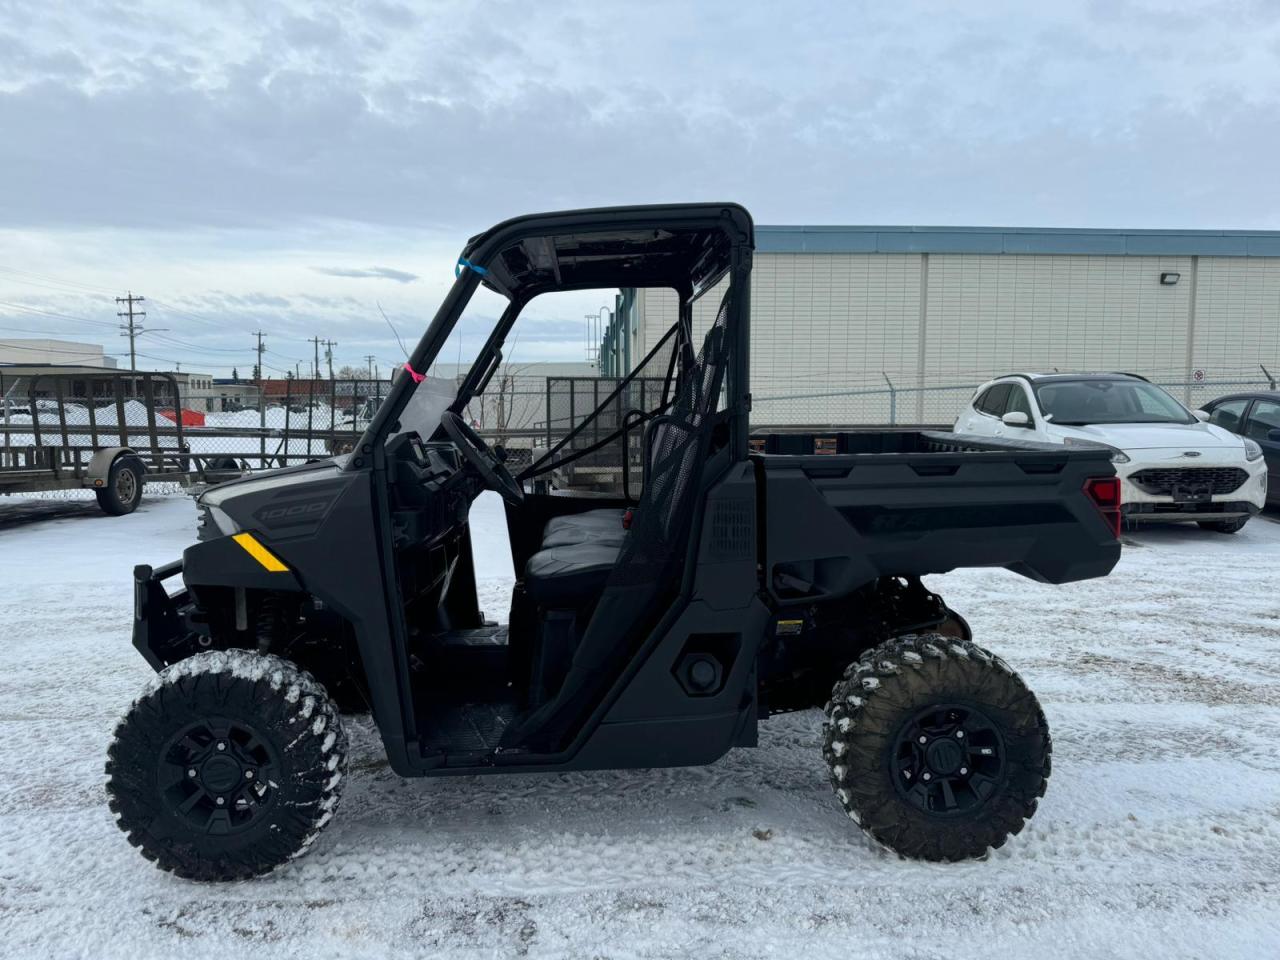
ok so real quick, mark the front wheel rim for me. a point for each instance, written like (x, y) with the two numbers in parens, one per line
(218, 776)
(948, 760)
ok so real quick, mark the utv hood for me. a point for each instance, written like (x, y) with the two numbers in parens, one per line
(278, 479)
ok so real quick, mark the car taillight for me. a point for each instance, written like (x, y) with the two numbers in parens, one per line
(1105, 494)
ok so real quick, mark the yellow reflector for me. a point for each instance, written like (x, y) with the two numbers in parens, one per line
(260, 553)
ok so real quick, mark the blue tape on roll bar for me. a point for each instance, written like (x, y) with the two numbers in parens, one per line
(464, 262)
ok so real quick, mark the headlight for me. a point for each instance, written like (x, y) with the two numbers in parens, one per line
(1251, 449)
(1117, 455)
(213, 522)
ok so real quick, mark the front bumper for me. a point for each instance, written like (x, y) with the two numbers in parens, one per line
(1188, 498)
(158, 622)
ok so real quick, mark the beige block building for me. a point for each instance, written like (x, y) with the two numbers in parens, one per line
(868, 324)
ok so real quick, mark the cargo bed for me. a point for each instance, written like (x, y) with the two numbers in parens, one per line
(839, 509)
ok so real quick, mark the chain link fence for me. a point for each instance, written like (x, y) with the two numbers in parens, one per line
(283, 422)
(54, 422)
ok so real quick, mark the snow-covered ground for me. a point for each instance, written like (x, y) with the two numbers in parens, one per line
(1159, 837)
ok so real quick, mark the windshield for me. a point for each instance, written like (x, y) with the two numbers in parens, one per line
(429, 399)
(1081, 402)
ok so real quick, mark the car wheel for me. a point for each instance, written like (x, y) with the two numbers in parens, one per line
(1234, 525)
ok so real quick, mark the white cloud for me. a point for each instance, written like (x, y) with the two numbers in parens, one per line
(231, 144)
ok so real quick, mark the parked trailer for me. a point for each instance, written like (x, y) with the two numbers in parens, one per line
(115, 431)
(106, 432)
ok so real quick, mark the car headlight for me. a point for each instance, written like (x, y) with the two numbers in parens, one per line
(1251, 449)
(1117, 455)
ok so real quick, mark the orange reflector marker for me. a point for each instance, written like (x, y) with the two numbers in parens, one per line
(260, 553)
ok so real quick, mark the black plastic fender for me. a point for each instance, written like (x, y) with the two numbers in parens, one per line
(230, 562)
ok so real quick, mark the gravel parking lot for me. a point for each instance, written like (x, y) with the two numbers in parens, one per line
(1159, 836)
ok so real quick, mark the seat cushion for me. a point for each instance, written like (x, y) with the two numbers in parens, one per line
(592, 526)
(569, 576)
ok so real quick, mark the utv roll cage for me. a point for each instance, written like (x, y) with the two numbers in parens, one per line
(687, 248)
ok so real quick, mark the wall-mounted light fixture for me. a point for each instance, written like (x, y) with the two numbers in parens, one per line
(1169, 279)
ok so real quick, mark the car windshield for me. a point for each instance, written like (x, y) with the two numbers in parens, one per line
(1080, 402)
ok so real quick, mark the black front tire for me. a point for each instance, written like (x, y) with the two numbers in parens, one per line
(227, 766)
(994, 779)
(123, 491)
(1234, 525)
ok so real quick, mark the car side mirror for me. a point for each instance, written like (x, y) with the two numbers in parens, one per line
(1016, 418)
(1273, 436)
(1202, 415)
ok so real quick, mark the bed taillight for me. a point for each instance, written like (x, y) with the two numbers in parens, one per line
(1105, 494)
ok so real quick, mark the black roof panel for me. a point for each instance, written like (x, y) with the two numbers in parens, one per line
(678, 245)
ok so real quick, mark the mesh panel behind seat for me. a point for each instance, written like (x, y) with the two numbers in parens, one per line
(676, 450)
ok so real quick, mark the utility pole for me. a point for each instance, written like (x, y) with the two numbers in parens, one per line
(369, 358)
(328, 354)
(260, 349)
(262, 403)
(315, 367)
(132, 328)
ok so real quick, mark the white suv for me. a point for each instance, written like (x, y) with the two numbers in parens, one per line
(1173, 466)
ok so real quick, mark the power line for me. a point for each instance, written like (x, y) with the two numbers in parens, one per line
(50, 313)
(44, 333)
(195, 348)
(163, 305)
(66, 284)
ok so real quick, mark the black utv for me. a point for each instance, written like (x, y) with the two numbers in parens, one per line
(726, 578)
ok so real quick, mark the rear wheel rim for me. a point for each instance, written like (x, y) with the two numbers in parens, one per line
(218, 776)
(948, 760)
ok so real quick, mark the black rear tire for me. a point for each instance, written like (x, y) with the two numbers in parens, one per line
(1234, 525)
(936, 749)
(227, 766)
(123, 491)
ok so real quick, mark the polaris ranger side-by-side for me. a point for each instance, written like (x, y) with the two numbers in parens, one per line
(732, 578)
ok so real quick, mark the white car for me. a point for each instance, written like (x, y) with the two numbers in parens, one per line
(1173, 465)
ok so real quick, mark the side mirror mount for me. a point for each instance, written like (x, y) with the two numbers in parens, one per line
(1202, 415)
(1273, 436)
(1016, 418)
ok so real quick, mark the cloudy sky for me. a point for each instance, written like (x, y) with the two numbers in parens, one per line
(288, 166)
